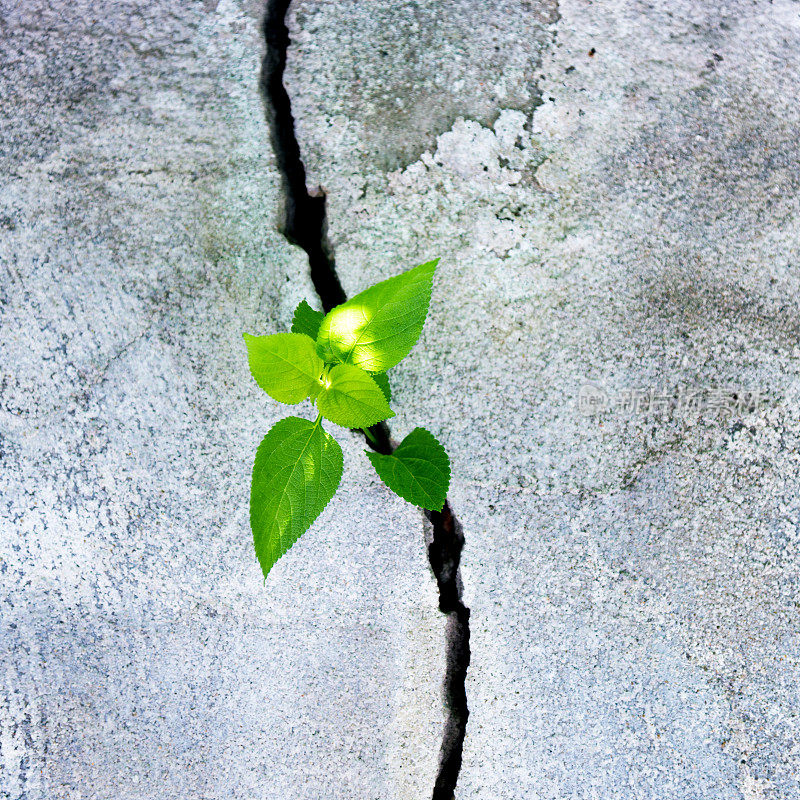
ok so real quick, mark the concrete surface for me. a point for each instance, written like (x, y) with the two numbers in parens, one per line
(141, 654)
(633, 575)
(613, 189)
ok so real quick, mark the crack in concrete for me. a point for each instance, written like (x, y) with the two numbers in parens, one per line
(444, 555)
(305, 225)
(304, 215)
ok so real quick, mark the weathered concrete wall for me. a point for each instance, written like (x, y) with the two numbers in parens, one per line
(141, 654)
(633, 576)
(613, 189)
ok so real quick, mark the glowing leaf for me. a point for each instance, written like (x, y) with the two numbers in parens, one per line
(377, 328)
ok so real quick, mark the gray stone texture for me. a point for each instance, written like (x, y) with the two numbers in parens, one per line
(613, 188)
(142, 655)
(633, 577)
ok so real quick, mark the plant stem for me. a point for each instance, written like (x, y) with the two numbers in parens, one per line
(368, 433)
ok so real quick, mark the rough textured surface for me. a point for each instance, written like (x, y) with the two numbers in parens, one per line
(633, 575)
(141, 654)
(375, 87)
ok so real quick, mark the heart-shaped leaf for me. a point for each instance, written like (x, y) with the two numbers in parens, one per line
(285, 365)
(297, 470)
(350, 397)
(417, 471)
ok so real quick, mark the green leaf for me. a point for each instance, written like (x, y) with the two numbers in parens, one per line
(285, 365)
(350, 397)
(377, 328)
(297, 470)
(382, 379)
(306, 320)
(417, 471)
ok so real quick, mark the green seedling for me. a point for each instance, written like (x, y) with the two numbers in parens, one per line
(339, 361)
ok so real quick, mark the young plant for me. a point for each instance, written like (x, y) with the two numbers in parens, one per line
(339, 361)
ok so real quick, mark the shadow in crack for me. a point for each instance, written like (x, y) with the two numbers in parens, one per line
(305, 225)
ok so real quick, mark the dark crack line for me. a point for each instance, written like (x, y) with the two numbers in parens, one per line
(304, 216)
(444, 555)
(305, 225)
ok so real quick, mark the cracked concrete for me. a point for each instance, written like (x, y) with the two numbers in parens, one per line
(141, 653)
(304, 224)
(633, 575)
(411, 68)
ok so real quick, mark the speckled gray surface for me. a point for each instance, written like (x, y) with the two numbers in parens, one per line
(141, 654)
(633, 575)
